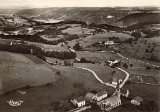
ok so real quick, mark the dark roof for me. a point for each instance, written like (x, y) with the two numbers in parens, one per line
(112, 100)
(89, 96)
(101, 93)
(138, 98)
(81, 98)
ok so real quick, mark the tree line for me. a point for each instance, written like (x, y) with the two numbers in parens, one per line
(37, 38)
(37, 51)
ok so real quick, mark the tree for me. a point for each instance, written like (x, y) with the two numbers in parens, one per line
(129, 40)
(148, 67)
(147, 51)
(136, 35)
(83, 60)
(125, 65)
(58, 72)
(77, 47)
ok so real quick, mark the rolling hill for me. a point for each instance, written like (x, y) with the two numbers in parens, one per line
(139, 18)
(111, 16)
(105, 15)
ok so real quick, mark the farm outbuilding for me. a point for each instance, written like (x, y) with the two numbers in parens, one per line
(137, 100)
(79, 102)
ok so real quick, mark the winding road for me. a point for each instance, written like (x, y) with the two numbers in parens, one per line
(96, 76)
(107, 84)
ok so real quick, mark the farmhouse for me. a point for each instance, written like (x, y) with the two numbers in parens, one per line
(89, 97)
(79, 102)
(101, 95)
(109, 43)
(110, 103)
(137, 100)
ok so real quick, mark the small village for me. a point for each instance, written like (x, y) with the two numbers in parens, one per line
(103, 100)
(98, 58)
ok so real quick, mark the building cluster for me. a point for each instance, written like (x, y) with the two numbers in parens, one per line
(103, 100)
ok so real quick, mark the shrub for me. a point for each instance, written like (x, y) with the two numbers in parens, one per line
(148, 67)
(147, 51)
(125, 65)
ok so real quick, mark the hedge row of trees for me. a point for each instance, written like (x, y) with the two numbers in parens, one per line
(60, 55)
(36, 38)
(26, 49)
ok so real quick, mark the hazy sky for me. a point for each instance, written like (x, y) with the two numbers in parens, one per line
(78, 3)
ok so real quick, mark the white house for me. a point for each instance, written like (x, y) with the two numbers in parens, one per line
(101, 95)
(109, 43)
(79, 102)
(110, 103)
(137, 100)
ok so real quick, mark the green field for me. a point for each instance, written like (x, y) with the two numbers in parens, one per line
(77, 30)
(18, 70)
(48, 47)
(147, 92)
(40, 98)
(105, 37)
(103, 72)
(154, 39)
(97, 56)
(138, 49)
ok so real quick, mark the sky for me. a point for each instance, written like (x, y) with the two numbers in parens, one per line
(78, 3)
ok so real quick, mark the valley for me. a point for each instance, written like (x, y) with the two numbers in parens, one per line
(47, 59)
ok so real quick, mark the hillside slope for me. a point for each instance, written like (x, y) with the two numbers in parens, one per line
(139, 18)
(18, 70)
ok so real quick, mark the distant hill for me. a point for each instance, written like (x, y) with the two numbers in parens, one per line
(117, 16)
(139, 18)
(105, 15)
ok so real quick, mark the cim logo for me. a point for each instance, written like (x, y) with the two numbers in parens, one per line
(15, 103)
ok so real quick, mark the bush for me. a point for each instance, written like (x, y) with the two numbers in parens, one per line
(147, 51)
(148, 67)
(125, 65)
